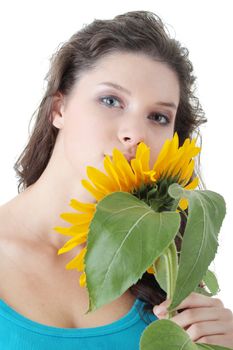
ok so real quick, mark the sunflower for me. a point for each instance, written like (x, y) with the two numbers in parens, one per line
(174, 164)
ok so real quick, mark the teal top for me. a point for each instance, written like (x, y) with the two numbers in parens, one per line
(21, 333)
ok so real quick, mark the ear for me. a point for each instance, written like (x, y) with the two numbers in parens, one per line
(57, 114)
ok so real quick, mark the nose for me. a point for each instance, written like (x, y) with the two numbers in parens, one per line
(131, 133)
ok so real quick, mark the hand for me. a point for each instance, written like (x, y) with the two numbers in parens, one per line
(204, 318)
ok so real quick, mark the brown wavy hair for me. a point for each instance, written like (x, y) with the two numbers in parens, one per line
(134, 32)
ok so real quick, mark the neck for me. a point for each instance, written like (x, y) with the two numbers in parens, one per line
(37, 209)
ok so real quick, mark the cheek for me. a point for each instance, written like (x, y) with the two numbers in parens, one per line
(76, 130)
(83, 144)
(74, 137)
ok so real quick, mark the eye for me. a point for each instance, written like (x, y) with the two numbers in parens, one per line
(110, 101)
(160, 118)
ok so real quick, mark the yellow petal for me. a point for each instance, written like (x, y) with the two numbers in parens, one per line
(162, 155)
(73, 242)
(150, 176)
(192, 184)
(63, 230)
(141, 149)
(78, 261)
(137, 168)
(178, 162)
(123, 169)
(174, 161)
(101, 181)
(75, 218)
(183, 203)
(188, 172)
(76, 229)
(109, 168)
(126, 175)
(82, 280)
(174, 145)
(168, 151)
(143, 155)
(98, 195)
(83, 207)
(150, 270)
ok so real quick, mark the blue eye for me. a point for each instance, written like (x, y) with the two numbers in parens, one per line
(160, 118)
(110, 100)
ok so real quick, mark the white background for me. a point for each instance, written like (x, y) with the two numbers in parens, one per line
(30, 31)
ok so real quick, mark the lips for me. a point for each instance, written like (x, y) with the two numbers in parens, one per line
(128, 157)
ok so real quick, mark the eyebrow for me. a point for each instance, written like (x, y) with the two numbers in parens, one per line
(121, 88)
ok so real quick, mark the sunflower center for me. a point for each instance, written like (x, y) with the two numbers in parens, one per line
(156, 194)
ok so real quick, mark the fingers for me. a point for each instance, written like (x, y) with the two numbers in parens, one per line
(192, 301)
(190, 316)
(205, 319)
(226, 340)
(206, 329)
(199, 300)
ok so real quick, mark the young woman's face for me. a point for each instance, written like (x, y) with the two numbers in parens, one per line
(127, 98)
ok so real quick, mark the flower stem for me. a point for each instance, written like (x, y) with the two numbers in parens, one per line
(171, 265)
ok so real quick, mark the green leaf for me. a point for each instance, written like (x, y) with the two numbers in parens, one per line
(166, 269)
(160, 272)
(125, 238)
(172, 264)
(167, 335)
(211, 282)
(202, 291)
(211, 347)
(211, 286)
(205, 215)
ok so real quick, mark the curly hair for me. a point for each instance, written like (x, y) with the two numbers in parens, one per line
(131, 32)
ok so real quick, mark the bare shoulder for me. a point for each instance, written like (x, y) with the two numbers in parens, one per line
(5, 221)
(12, 248)
(31, 275)
(14, 244)
(8, 234)
(5, 246)
(7, 226)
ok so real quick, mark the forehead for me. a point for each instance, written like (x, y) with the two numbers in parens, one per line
(135, 71)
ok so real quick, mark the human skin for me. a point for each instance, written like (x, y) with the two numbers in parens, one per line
(99, 126)
(205, 319)
(94, 119)
(90, 125)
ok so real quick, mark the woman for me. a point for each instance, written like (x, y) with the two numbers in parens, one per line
(115, 83)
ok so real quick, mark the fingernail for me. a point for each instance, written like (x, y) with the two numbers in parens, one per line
(159, 310)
